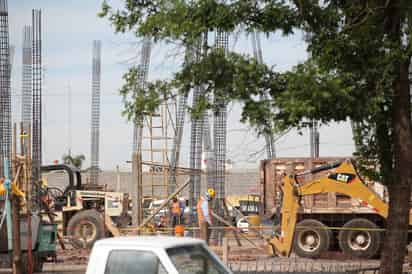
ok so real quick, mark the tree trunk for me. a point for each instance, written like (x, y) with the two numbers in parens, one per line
(394, 246)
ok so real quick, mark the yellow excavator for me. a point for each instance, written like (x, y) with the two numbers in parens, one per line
(360, 236)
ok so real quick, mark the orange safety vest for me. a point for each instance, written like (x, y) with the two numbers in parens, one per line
(200, 215)
(176, 210)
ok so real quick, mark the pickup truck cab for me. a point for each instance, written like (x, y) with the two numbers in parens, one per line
(153, 255)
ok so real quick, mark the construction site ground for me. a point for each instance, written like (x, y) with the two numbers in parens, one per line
(240, 259)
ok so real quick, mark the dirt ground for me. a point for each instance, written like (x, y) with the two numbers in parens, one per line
(74, 261)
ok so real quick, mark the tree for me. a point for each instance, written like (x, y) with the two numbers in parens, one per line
(76, 161)
(359, 65)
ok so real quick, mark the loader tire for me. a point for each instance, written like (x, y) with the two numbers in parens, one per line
(360, 243)
(311, 239)
(85, 228)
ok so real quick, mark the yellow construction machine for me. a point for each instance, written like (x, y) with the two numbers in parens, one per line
(359, 236)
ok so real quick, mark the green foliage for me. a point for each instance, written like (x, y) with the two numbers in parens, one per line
(358, 67)
(76, 161)
(350, 74)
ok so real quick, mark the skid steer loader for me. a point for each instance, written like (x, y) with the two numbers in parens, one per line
(84, 209)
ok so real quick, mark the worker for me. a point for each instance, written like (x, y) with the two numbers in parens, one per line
(182, 204)
(176, 212)
(2, 187)
(204, 214)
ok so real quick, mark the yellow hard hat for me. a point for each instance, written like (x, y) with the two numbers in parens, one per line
(211, 192)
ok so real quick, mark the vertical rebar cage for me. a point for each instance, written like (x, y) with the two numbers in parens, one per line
(36, 93)
(257, 53)
(143, 71)
(95, 113)
(5, 95)
(26, 102)
(220, 132)
(196, 133)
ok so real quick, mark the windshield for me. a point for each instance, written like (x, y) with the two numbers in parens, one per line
(195, 259)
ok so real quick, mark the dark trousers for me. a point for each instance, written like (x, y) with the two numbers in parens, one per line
(175, 220)
(204, 231)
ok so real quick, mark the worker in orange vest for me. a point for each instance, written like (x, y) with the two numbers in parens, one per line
(204, 214)
(176, 211)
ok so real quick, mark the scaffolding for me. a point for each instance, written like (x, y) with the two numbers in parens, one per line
(95, 113)
(5, 95)
(155, 133)
(159, 133)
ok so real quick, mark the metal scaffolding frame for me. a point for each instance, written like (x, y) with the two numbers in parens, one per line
(37, 93)
(26, 91)
(159, 131)
(5, 94)
(95, 113)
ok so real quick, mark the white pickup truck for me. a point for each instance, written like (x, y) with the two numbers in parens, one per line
(153, 255)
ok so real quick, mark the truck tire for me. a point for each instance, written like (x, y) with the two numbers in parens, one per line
(85, 228)
(360, 243)
(311, 239)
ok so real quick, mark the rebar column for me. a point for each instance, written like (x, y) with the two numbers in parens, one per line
(314, 139)
(208, 152)
(177, 141)
(219, 134)
(143, 71)
(135, 186)
(26, 90)
(193, 54)
(36, 93)
(95, 119)
(257, 53)
(5, 95)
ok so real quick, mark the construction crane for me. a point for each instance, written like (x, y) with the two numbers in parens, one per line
(257, 53)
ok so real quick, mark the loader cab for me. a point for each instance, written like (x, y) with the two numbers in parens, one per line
(73, 173)
(60, 190)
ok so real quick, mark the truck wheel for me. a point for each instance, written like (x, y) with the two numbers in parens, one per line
(311, 239)
(85, 227)
(360, 243)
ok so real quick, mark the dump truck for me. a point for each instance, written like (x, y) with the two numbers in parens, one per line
(309, 230)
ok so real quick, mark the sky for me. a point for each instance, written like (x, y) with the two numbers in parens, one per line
(68, 30)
